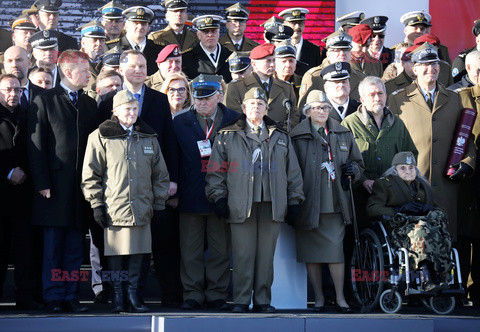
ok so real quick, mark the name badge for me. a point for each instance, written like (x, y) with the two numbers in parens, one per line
(205, 148)
(343, 146)
(148, 150)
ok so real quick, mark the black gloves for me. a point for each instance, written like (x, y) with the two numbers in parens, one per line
(100, 216)
(221, 208)
(410, 208)
(158, 216)
(463, 171)
(427, 208)
(347, 171)
(293, 211)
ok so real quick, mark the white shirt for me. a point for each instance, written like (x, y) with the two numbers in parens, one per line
(336, 106)
(142, 44)
(67, 89)
(298, 47)
(26, 88)
(216, 52)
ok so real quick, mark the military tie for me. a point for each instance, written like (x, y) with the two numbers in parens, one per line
(213, 56)
(321, 131)
(237, 47)
(257, 130)
(341, 109)
(265, 86)
(209, 122)
(74, 97)
(137, 47)
(23, 100)
(429, 100)
(137, 95)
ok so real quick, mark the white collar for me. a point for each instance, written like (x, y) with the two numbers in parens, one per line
(130, 129)
(298, 47)
(142, 44)
(252, 126)
(336, 106)
(237, 43)
(217, 54)
(376, 55)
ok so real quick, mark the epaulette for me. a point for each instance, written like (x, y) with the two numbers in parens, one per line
(112, 41)
(187, 50)
(312, 70)
(397, 91)
(462, 88)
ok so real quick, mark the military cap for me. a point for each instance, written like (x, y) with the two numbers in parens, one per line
(112, 10)
(376, 23)
(336, 71)
(294, 14)
(111, 58)
(49, 6)
(31, 11)
(407, 54)
(256, 93)
(338, 39)
(44, 39)
(315, 96)
(237, 12)
(432, 39)
(262, 51)
(123, 97)
(361, 34)
(238, 61)
(175, 4)
(351, 19)
(279, 33)
(404, 158)
(425, 53)
(139, 14)
(92, 29)
(476, 28)
(416, 17)
(169, 51)
(285, 49)
(272, 21)
(22, 23)
(204, 86)
(204, 22)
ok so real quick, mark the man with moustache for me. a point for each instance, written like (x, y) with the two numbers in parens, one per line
(235, 39)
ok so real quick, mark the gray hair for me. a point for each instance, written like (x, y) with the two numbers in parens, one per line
(369, 81)
(393, 171)
(472, 58)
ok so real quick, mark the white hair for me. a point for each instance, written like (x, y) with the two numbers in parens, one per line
(369, 81)
(393, 171)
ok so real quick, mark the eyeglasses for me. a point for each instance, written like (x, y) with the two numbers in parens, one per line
(180, 91)
(9, 90)
(381, 36)
(325, 109)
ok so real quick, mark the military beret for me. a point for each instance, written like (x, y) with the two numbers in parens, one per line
(111, 58)
(22, 23)
(112, 10)
(294, 14)
(336, 71)
(139, 14)
(338, 39)
(425, 53)
(204, 86)
(432, 39)
(416, 17)
(404, 158)
(171, 50)
(238, 61)
(376, 23)
(175, 4)
(407, 54)
(285, 49)
(44, 39)
(237, 12)
(262, 51)
(315, 96)
(351, 19)
(476, 28)
(256, 93)
(92, 29)
(123, 97)
(278, 33)
(49, 6)
(204, 22)
(361, 34)
(272, 21)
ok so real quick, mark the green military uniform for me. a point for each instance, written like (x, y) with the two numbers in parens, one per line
(186, 40)
(155, 81)
(399, 82)
(246, 46)
(368, 65)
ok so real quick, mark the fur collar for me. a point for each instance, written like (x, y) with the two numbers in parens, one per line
(112, 128)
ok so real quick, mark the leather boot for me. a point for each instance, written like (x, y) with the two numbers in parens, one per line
(134, 270)
(426, 278)
(118, 302)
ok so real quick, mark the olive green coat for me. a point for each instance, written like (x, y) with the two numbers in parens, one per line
(167, 36)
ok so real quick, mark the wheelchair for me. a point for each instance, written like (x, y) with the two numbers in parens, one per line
(382, 275)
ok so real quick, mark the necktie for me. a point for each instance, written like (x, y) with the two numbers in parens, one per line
(321, 131)
(257, 130)
(341, 109)
(137, 95)
(23, 100)
(137, 47)
(213, 56)
(429, 100)
(209, 122)
(74, 97)
(237, 47)
(265, 86)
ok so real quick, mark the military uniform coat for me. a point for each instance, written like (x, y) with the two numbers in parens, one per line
(386, 56)
(167, 36)
(155, 81)
(196, 62)
(5, 40)
(279, 92)
(401, 81)
(66, 42)
(351, 108)
(367, 65)
(463, 83)
(309, 57)
(246, 46)
(432, 132)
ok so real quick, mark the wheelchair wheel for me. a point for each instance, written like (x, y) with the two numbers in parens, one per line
(426, 303)
(367, 260)
(441, 304)
(390, 302)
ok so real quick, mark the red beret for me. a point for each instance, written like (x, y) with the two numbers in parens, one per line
(167, 52)
(427, 38)
(361, 33)
(406, 56)
(262, 51)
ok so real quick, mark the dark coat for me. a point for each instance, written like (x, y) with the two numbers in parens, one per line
(156, 113)
(167, 36)
(57, 137)
(351, 108)
(66, 42)
(386, 57)
(5, 40)
(13, 153)
(196, 62)
(191, 184)
(309, 57)
(458, 66)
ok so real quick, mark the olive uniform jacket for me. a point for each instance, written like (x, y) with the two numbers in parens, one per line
(401, 81)
(432, 132)
(167, 36)
(246, 46)
(279, 92)
(367, 65)
(155, 81)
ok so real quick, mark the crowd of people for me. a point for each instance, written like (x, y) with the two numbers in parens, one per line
(162, 145)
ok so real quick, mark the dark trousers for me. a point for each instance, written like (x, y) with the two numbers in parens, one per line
(62, 258)
(469, 255)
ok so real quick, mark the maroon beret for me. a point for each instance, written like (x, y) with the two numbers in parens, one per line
(167, 52)
(361, 33)
(262, 51)
(407, 54)
(427, 38)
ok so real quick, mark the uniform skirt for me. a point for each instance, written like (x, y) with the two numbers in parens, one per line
(323, 244)
(132, 240)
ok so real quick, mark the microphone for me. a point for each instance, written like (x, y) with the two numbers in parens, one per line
(287, 103)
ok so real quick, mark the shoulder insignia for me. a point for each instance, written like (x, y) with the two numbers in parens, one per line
(112, 41)
(463, 88)
(397, 91)
(187, 50)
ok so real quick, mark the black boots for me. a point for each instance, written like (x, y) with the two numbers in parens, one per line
(134, 270)
(118, 302)
(426, 279)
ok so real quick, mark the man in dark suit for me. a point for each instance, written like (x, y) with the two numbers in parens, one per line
(16, 231)
(235, 39)
(208, 57)
(59, 122)
(137, 26)
(308, 54)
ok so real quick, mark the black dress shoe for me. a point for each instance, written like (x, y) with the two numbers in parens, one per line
(319, 308)
(190, 305)
(54, 307)
(343, 310)
(240, 308)
(29, 305)
(102, 297)
(74, 306)
(264, 308)
(219, 304)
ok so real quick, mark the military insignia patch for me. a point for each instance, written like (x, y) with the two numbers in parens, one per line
(376, 20)
(362, 16)
(46, 33)
(281, 28)
(201, 78)
(409, 160)
(296, 13)
(208, 20)
(140, 11)
(420, 17)
(338, 66)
